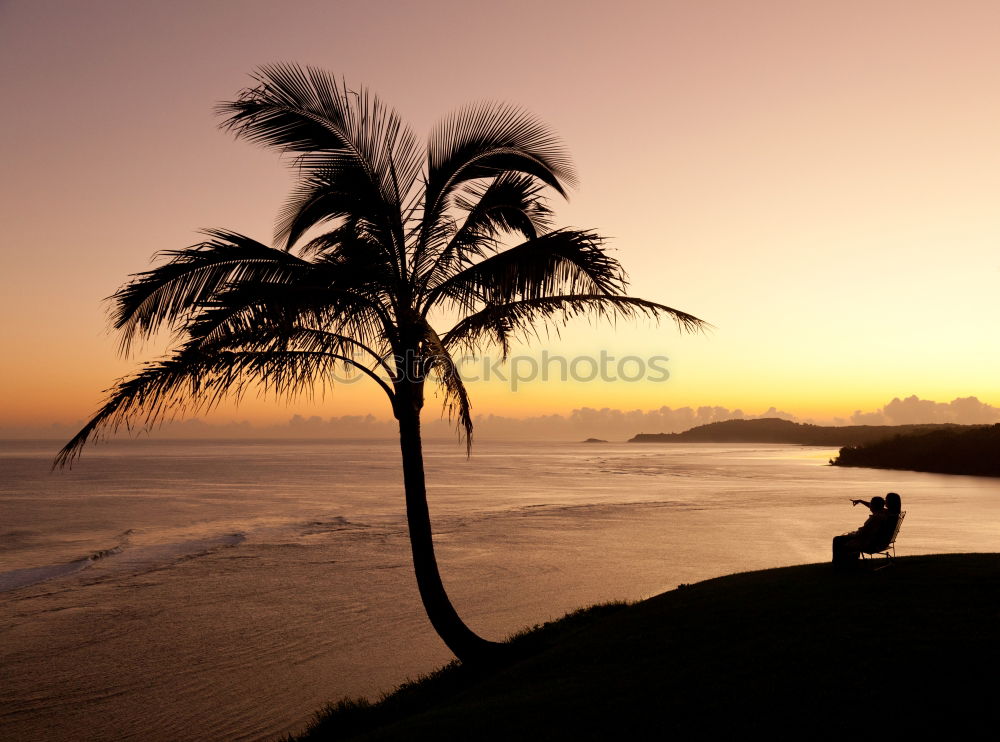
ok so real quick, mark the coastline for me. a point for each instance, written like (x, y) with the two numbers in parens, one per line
(972, 451)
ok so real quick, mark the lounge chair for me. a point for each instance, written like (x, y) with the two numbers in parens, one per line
(886, 549)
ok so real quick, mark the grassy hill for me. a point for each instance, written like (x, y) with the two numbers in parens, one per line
(799, 651)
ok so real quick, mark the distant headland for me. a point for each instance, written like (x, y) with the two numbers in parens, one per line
(777, 430)
(961, 451)
(943, 448)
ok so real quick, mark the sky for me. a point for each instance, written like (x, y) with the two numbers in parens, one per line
(818, 180)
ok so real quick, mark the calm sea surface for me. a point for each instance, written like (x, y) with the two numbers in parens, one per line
(181, 590)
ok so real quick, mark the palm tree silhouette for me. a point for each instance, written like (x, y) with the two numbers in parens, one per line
(412, 237)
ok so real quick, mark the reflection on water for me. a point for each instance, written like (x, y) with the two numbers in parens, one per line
(178, 590)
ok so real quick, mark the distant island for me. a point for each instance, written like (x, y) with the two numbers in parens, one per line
(966, 450)
(595, 440)
(776, 430)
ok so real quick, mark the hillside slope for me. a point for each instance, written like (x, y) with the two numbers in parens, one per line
(798, 651)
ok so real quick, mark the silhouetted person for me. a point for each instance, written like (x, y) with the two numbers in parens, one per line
(847, 548)
(893, 507)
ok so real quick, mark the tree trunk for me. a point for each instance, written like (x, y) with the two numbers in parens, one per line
(466, 644)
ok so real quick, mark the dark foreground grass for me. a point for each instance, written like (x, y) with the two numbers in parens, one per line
(795, 652)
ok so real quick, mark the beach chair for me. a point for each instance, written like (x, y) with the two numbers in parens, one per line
(888, 551)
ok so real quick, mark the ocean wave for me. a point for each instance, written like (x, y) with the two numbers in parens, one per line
(336, 523)
(124, 557)
(18, 578)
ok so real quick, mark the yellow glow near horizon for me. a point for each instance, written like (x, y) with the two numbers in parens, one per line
(819, 181)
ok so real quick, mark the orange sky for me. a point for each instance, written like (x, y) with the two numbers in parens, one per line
(820, 181)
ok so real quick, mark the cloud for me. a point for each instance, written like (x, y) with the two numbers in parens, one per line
(581, 423)
(913, 410)
(611, 424)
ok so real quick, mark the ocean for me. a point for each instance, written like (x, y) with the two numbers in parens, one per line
(207, 590)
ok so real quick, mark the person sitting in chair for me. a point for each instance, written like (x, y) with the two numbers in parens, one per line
(875, 531)
(880, 539)
(893, 504)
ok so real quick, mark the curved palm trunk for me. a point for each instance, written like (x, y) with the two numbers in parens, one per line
(460, 639)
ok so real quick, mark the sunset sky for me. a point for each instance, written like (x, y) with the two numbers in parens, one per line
(819, 180)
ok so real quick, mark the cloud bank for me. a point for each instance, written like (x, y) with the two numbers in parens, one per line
(584, 422)
(912, 410)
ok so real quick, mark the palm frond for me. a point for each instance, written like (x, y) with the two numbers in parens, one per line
(484, 141)
(346, 282)
(254, 315)
(261, 332)
(195, 380)
(501, 324)
(347, 139)
(350, 230)
(510, 204)
(166, 294)
(560, 263)
(456, 398)
(323, 197)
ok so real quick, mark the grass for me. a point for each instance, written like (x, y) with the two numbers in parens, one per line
(798, 651)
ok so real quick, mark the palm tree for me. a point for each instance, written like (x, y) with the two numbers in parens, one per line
(411, 237)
